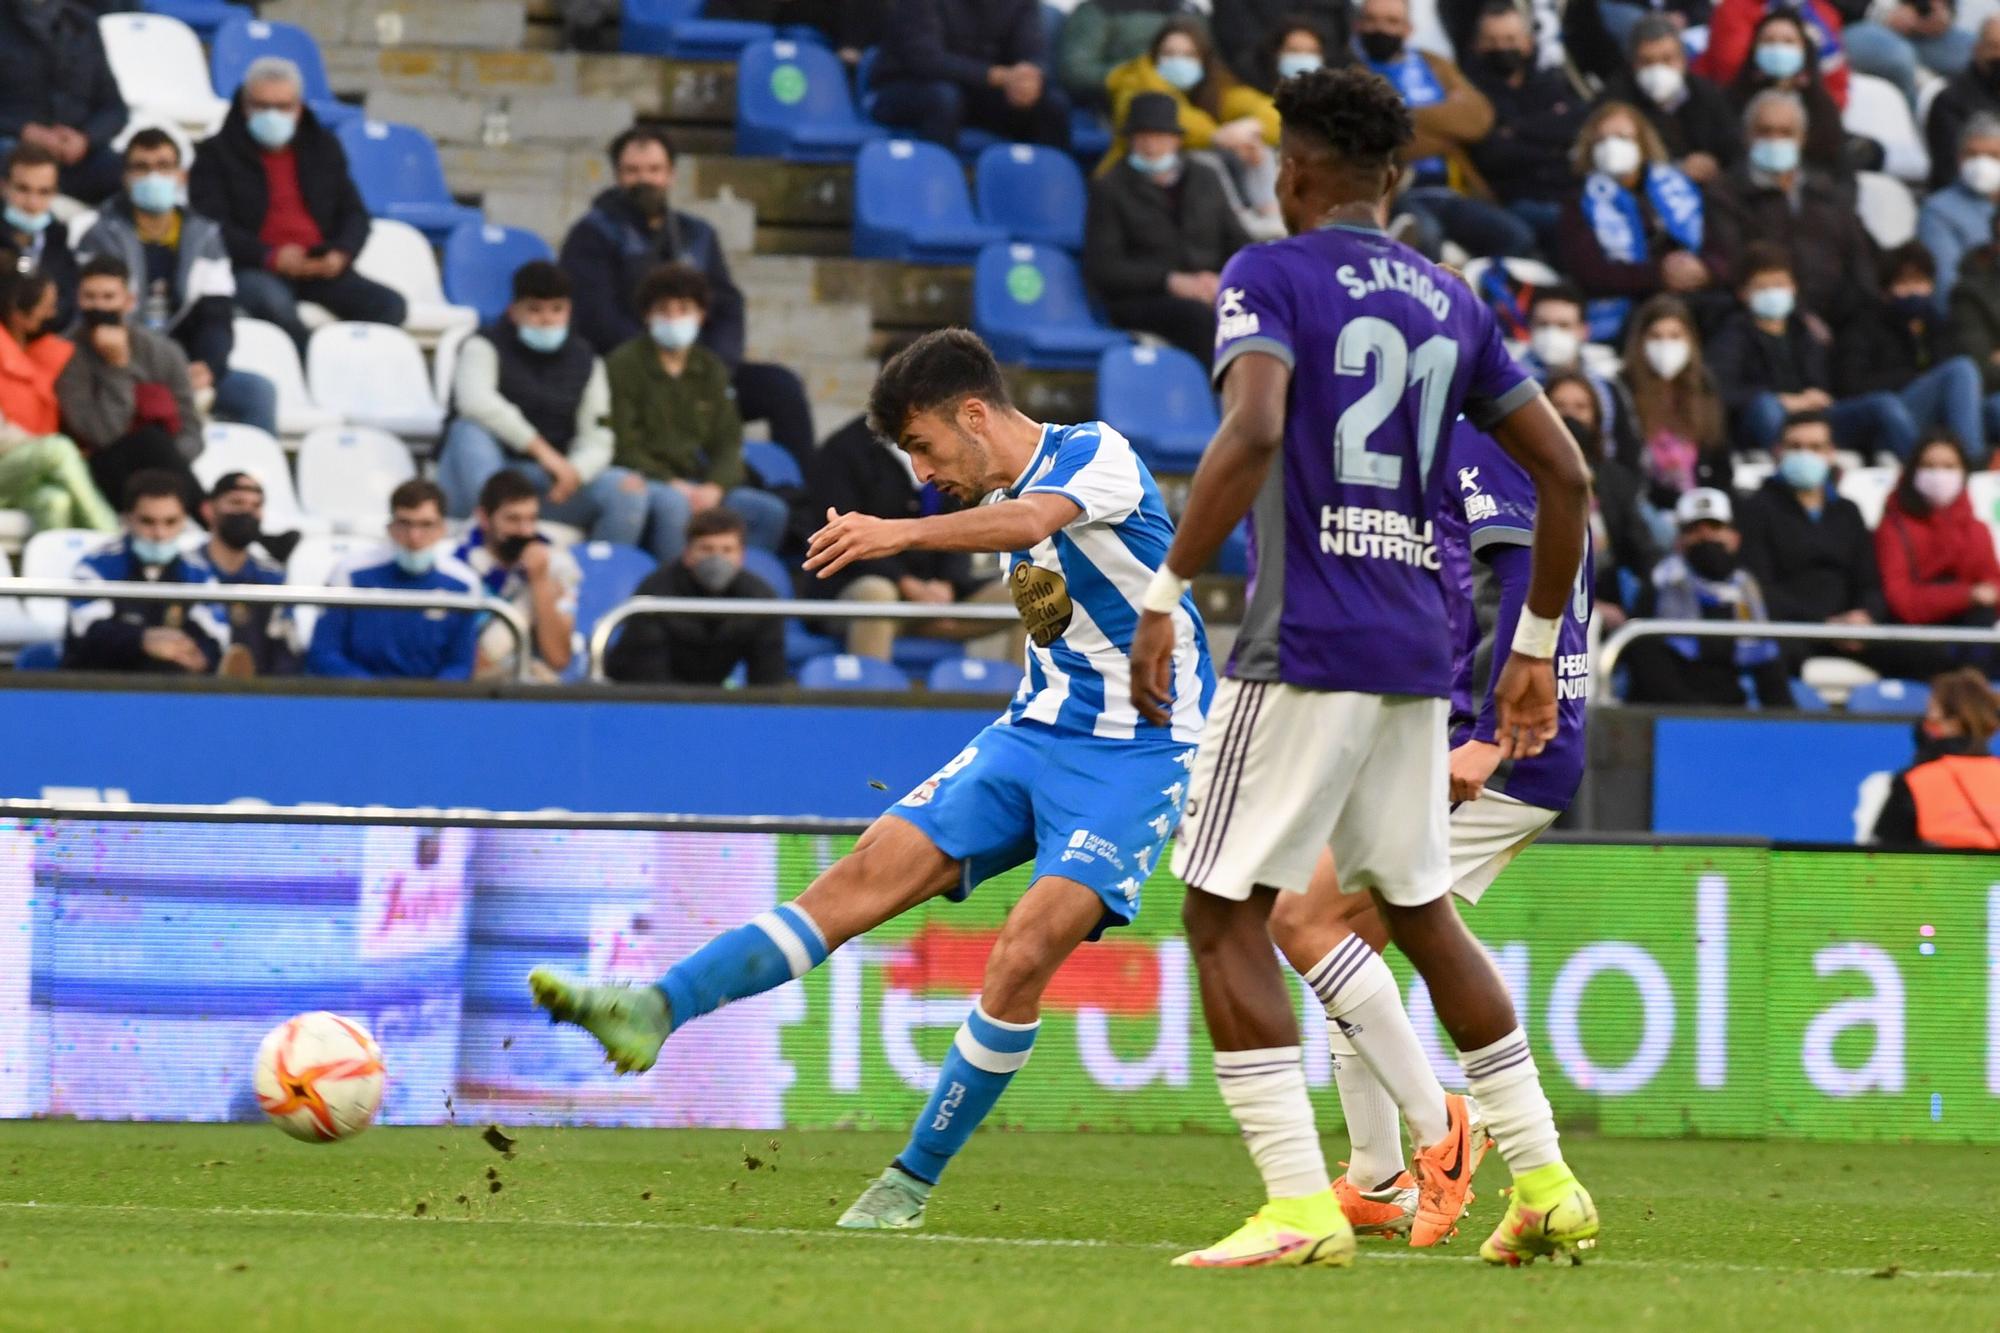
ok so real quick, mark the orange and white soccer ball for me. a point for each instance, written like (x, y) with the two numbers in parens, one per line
(319, 1077)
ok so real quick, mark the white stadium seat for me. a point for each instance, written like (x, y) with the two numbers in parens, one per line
(161, 70)
(16, 625)
(1748, 475)
(373, 375)
(1869, 488)
(444, 361)
(15, 525)
(1888, 209)
(1984, 492)
(229, 447)
(53, 553)
(397, 255)
(267, 350)
(313, 563)
(1876, 110)
(346, 475)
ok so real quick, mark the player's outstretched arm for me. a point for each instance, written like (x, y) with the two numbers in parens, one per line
(1525, 694)
(1232, 471)
(1011, 525)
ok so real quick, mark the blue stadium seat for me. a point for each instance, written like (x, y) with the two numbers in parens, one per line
(792, 101)
(676, 28)
(771, 568)
(801, 644)
(976, 676)
(1907, 698)
(244, 38)
(910, 203)
(399, 174)
(611, 574)
(773, 464)
(1159, 398)
(1032, 194)
(1807, 699)
(918, 655)
(1089, 136)
(972, 141)
(38, 657)
(204, 16)
(1234, 557)
(479, 263)
(843, 671)
(1029, 304)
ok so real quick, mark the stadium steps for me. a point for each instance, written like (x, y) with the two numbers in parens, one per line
(492, 25)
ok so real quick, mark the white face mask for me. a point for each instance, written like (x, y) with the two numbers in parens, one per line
(1616, 155)
(1554, 345)
(1981, 174)
(1668, 356)
(1939, 485)
(1662, 83)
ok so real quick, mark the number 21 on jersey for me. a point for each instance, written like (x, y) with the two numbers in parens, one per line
(1371, 344)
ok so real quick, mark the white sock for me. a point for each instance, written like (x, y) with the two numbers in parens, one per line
(1509, 1088)
(1266, 1092)
(1374, 1130)
(1361, 999)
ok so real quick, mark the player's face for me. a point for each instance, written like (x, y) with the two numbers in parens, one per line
(945, 449)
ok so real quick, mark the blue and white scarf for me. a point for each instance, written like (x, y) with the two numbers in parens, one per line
(1614, 218)
(1413, 78)
(1683, 595)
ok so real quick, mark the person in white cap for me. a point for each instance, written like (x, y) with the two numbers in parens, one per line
(1704, 580)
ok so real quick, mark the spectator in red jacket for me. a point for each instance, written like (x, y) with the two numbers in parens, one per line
(1938, 562)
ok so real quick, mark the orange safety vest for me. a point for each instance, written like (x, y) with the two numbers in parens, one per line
(1958, 801)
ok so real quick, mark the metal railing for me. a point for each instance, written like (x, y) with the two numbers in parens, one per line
(770, 608)
(377, 599)
(1614, 647)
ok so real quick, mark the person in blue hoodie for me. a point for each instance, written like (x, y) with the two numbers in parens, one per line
(392, 643)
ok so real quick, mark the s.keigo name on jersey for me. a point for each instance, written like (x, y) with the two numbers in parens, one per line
(1346, 589)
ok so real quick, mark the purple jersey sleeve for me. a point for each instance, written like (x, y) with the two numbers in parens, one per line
(1497, 384)
(1254, 310)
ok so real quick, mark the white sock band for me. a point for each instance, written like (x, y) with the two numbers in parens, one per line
(1508, 1087)
(1361, 998)
(1374, 1130)
(1266, 1092)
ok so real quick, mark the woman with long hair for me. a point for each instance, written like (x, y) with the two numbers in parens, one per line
(1938, 562)
(1683, 440)
(1784, 54)
(40, 471)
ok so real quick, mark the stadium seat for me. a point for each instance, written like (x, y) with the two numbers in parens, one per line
(975, 675)
(347, 473)
(39, 657)
(676, 28)
(1748, 474)
(267, 350)
(773, 464)
(1029, 304)
(16, 625)
(397, 255)
(241, 40)
(1160, 399)
(1888, 209)
(312, 565)
(205, 17)
(444, 363)
(1805, 698)
(53, 553)
(229, 447)
(844, 671)
(1982, 490)
(373, 375)
(771, 568)
(1869, 488)
(1877, 110)
(801, 644)
(161, 71)
(920, 655)
(1234, 557)
(15, 525)
(1032, 194)
(1905, 698)
(611, 574)
(793, 101)
(479, 263)
(399, 174)
(910, 204)
(1090, 136)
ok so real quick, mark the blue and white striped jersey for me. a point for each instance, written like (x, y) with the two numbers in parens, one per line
(1079, 591)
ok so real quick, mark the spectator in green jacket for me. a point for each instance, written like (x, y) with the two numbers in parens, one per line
(674, 419)
(1101, 35)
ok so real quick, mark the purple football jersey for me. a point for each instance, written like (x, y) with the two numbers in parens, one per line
(1486, 522)
(1386, 351)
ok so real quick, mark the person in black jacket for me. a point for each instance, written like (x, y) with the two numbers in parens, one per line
(949, 64)
(1537, 115)
(292, 219)
(702, 650)
(1158, 231)
(1692, 116)
(29, 230)
(632, 229)
(56, 92)
(1902, 345)
(1974, 91)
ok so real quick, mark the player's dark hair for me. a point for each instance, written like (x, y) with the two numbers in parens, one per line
(1354, 111)
(939, 370)
(415, 494)
(540, 280)
(150, 138)
(504, 488)
(639, 134)
(104, 266)
(151, 483)
(673, 282)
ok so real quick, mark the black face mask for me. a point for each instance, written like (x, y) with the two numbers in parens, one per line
(1710, 560)
(648, 201)
(100, 319)
(237, 531)
(1506, 64)
(1381, 46)
(508, 549)
(1913, 308)
(1586, 438)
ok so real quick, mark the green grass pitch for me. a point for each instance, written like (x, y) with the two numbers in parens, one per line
(214, 1227)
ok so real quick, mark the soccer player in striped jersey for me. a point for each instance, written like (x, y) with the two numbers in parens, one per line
(1071, 779)
(1343, 356)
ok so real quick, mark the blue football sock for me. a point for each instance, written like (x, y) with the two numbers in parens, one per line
(982, 1059)
(749, 960)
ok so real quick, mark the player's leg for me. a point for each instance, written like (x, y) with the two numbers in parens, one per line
(1052, 918)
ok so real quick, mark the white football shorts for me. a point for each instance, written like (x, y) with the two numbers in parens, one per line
(1486, 835)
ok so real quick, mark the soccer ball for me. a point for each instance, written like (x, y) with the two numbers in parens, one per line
(319, 1077)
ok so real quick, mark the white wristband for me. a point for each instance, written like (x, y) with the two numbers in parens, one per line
(1163, 594)
(1535, 636)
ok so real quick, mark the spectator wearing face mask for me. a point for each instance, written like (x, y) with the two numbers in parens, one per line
(1557, 334)
(518, 565)
(393, 643)
(41, 471)
(702, 650)
(1950, 795)
(1974, 91)
(1806, 48)
(260, 634)
(1158, 231)
(1297, 45)
(1100, 35)
(1694, 118)
(1620, 533)
(1904, 348)
(1788, 60)
(28, 226)
(1682, 438)
(1214, 111)
(1703, 579)
(1937, 559)
(1537, 114)
(1959, 218)
(1253, 36)
(674, 423)
(105, 634)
